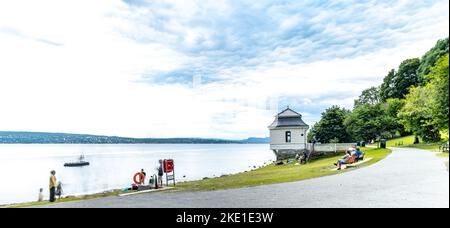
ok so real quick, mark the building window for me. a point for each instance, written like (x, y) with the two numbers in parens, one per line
(303, 135)
(288, 136)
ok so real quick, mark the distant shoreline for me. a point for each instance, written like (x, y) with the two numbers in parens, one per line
(235, 143)
(11, 137)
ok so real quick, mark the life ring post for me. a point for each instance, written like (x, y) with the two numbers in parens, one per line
(141, 178)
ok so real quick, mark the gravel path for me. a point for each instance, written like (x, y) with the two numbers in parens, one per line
(406, 178)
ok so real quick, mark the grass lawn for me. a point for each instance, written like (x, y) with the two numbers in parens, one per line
(408, 141)
(273, 174)
(433, 146)
(442, 155)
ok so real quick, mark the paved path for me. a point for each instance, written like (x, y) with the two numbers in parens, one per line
(406, 178)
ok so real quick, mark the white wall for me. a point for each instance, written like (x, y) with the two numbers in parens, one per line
(340, 147)
(278, 138)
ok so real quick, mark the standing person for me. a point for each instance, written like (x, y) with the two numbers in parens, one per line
(52, 185)
(160, 173)
(142, 181)
(41, 195)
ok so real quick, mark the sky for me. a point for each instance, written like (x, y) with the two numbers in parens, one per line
(198, 68)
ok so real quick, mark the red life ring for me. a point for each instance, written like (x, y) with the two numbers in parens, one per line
(168, 165)
(141, 177)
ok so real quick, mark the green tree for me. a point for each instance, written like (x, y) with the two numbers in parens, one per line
(368, 122)
(311, 134)
(406, 77)
(369, 96)
(388, 86)
(393, 107)
(331, 126)
(397, 84)
(439, 86)
(431, 57)
(417, 114)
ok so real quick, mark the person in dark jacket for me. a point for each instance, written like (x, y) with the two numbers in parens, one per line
(142, 181)
(359, 154)
(160, 173)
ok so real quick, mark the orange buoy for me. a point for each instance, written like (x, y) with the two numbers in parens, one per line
(141, 178)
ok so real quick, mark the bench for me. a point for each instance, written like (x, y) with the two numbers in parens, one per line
(443, 147)
(359, 163)
(353, 164)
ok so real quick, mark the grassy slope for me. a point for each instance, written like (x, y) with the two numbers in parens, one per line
(442, 155)
(273, 174)
(408, 141)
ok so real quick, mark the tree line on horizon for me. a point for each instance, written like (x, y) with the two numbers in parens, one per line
(412, 100)
(64, 138)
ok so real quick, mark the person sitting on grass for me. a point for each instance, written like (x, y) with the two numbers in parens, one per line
(301, 159)
(344, 160)
(41, 195)
(58, 192)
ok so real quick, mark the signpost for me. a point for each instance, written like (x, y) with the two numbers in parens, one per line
(169, 170)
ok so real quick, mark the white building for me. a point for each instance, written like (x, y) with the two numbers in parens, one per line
(288, 134)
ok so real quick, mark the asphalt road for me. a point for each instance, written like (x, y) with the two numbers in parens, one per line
(406, 178)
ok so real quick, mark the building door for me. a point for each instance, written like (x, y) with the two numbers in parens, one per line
(288, 137)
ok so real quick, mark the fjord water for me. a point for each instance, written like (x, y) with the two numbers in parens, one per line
(26, 168)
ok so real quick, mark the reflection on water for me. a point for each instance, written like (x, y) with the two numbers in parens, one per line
(25, 168)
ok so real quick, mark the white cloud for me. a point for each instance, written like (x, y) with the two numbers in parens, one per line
(79, 66)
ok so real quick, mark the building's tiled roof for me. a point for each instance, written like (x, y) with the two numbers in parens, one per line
(289, 113)
(288, 118)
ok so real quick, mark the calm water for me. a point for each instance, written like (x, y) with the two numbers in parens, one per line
(25, 168)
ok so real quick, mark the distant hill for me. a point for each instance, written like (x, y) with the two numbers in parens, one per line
(7, 137)
(256, 140)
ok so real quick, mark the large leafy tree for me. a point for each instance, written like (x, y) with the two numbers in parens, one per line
(368, 122)
(426, 107)
(439, 86)
(388, 86)
(331, 126)
(369, 96)
(417, 114)
(431, 57)
(406, 77)
(311, 134)
(397, 84)
(392, 108)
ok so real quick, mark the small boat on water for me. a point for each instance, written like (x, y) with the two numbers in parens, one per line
(81, 162)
